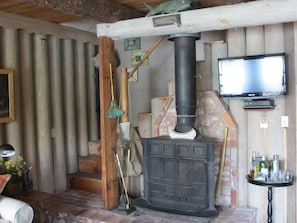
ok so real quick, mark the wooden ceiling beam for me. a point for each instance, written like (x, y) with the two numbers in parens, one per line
(100, 10)
(262, 12)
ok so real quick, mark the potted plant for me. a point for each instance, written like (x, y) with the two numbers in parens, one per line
(16, 169)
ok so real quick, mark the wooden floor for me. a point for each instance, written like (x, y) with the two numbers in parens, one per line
(75, 206)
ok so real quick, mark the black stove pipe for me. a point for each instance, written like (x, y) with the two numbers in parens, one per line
(185, 81)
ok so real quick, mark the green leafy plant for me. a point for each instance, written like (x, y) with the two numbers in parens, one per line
(13, 167)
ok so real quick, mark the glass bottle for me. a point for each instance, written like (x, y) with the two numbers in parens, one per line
(253, 164)
(275, 164)
(275, 168)
(264, 167)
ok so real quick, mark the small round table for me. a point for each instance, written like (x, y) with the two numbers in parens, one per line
(269, 194)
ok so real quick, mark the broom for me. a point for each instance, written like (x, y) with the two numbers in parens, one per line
(114, 111)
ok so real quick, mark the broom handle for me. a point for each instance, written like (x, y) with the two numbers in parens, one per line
(124, 95)
(221, 165)
(146, 56)
(111, 82)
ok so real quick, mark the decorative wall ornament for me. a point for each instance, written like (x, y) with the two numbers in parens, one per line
(136, 57)
(134, 76)
(132, 44)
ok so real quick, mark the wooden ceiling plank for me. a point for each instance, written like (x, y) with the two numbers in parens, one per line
(101, 10)
(59, 18)
(37, 12)
(23, 9)
(5, 7)
(139, 5)
(9, 3)
(42, 12)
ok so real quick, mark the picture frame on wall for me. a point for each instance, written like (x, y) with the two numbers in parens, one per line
(136, 57)
(132, 44)
(6, 95)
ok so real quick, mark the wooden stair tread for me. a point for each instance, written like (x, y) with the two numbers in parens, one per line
(91, 157)
(85, 175)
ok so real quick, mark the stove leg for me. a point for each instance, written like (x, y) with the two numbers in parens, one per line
(269, 207)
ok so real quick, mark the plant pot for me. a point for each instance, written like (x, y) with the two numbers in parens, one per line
(13, 188)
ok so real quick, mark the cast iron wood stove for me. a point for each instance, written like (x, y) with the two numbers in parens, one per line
(179, 176)
(178, 171)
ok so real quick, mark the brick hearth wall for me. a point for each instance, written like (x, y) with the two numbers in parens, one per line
(212, 118)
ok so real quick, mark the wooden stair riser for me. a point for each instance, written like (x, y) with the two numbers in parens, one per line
(90, 164)
(84, 183)
(94, 147)
(89, 176)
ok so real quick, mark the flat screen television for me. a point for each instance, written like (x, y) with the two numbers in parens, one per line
(259, 76)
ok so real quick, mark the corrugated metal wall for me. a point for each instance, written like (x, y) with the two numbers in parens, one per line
(55, 103)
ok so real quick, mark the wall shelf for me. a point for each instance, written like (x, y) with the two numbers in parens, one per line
(258, 104)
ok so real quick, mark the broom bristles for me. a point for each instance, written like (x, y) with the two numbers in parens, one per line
(114, 111)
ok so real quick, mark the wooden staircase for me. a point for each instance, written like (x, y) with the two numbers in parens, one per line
(88, 177)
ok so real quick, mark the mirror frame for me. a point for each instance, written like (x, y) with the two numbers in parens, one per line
(6, 96)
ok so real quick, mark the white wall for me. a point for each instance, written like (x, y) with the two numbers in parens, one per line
(265, 141)
(273, 140)
(153, 81)
(153, 78)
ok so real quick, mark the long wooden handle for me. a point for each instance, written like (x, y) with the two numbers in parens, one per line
(146, 56)
(222, 162)
(111, 82)
(124, 95)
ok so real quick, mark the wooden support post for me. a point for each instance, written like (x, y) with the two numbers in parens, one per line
(108, 126)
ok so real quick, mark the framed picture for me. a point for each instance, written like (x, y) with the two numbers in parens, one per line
(6, 96)
(136, 57)
(132, 44)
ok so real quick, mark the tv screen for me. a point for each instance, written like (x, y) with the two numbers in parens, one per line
(260, 76)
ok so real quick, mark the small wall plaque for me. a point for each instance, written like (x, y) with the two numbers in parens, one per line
(132, 44)
(136, 57)
(134, 76)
